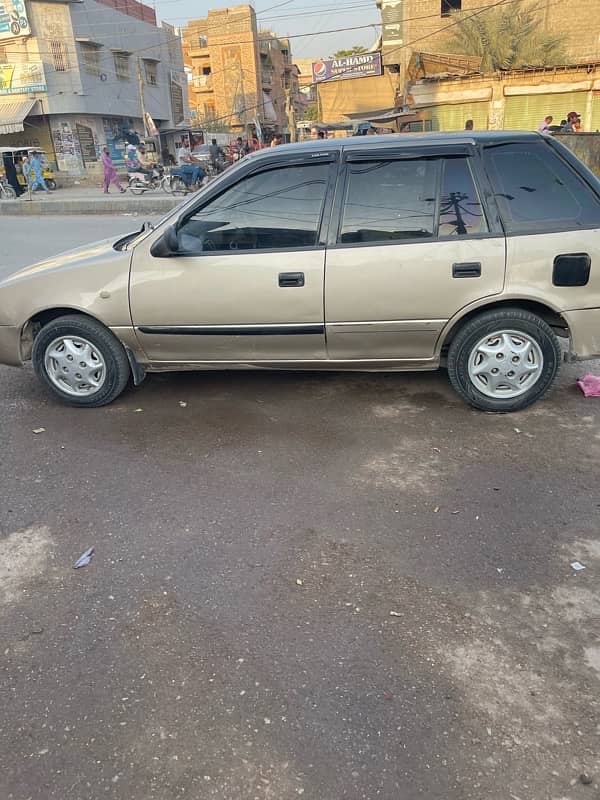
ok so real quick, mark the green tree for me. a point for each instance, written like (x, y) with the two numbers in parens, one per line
(506, 38)
(357, 50)
(312, 113)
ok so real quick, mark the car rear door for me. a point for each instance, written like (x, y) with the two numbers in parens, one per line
(247, 281)
(413, 243)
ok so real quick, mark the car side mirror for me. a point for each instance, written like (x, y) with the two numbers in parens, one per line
(166, 245)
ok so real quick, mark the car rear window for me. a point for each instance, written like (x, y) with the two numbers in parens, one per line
(390, 200)
(537, 191)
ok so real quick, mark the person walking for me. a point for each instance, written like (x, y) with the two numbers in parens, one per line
(110, 173)
(36, 173)
(544, 126)
(26, 168)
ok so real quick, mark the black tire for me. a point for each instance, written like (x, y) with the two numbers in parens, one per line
(136, 186)
(51, 184)
(178, 185)
(488, 323)
(117, 366)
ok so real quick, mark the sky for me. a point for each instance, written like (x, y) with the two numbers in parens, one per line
(292, 17)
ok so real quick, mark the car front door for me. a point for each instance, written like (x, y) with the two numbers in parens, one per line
(246, 281)
(414, 244)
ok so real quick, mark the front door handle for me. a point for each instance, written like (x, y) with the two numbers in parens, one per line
(469, 269)
(291, 279)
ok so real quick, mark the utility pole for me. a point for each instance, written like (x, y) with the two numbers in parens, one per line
(141, 90)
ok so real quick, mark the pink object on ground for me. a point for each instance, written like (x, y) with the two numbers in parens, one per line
(590, 385)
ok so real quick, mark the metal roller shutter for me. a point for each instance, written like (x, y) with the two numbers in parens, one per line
(595, 126)
(453, 117)
(525, 112)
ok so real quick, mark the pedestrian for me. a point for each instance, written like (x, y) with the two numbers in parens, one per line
(26, 168)
(217, 156)
(276, 140)
(11, 175)
(110, 173)
(568, 126)
(544, 126)
(469, 125)
(577, 125)
(36, 173)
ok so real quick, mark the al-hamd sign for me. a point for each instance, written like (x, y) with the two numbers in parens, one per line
(359, 66)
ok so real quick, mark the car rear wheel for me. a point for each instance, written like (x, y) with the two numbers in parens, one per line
(504, 360)
(81, 361)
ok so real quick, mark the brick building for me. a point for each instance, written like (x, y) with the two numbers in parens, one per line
(239, 79)
(424, 24)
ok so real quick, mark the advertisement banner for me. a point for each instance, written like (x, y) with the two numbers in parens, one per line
(22, 78)
(360, 66)
(13, 19)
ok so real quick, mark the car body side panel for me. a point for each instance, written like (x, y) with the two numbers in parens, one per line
(93, 280)
(392, 301)
(529, 266)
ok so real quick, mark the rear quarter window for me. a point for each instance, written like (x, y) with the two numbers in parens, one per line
(537, 191)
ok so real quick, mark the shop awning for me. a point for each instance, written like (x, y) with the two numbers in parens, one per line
(13, 113)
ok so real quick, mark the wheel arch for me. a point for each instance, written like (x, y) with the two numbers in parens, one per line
(37, 321)
(550, 315)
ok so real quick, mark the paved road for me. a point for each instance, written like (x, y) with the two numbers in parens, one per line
(335, 586)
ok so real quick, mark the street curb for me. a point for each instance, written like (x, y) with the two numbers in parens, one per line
(92, 205)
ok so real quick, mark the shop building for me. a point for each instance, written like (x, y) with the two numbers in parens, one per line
(73, 78)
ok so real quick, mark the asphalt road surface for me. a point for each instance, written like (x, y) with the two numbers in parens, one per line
(330, 586)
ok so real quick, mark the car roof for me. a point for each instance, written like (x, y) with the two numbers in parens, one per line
(403, 139)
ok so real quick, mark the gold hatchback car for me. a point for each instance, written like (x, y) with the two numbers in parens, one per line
(471, 251)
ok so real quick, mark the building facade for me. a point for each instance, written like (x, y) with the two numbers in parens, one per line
(72, 81)
(512, 100)
(240, 80)
(409, 25)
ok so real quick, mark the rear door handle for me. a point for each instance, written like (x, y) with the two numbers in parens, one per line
(468, 269)
(291, 279)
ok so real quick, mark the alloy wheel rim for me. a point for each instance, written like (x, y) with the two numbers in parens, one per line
(75, 366)
(505, 364)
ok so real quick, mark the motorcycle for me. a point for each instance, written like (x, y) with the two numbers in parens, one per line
(6, 190)
(140, 182)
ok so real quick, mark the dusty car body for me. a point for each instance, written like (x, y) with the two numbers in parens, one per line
(378, 253)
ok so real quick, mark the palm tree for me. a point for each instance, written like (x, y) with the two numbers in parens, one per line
(357, 50)
(506, 38)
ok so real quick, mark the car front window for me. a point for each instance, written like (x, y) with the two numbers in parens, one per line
(275, 209)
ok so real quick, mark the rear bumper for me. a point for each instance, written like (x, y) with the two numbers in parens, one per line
(584, 330)
(10, 345)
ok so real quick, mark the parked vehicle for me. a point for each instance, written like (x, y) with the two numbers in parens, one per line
(471, 251)
(18, 153)
(6, 190)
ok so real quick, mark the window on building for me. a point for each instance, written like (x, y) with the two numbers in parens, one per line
(206, 70)
(276, 209)
(121, 60)
(537, 190)
(151, 72)
(461, 212)
(390, 200)
(90, 57)
(448, 6)
(60, 57)
(202, 40)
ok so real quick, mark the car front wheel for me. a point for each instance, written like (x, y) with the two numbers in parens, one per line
(81, 361)
(504, 360)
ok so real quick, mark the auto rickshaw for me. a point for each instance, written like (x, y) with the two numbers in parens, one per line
(16, 154)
